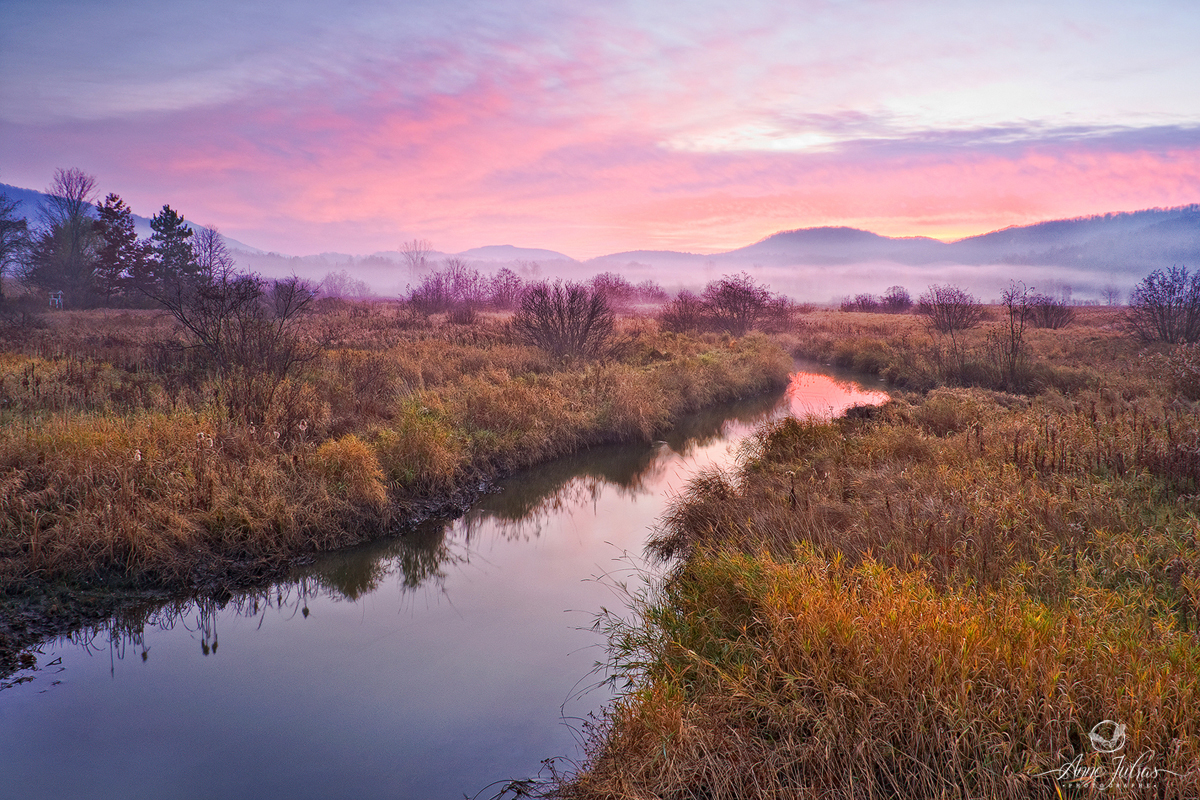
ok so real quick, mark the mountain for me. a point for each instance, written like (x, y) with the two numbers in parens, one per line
(839, 246)
(30, 204)
(507, 252)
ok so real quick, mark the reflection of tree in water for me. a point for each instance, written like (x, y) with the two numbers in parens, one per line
(525, 502)
(420, 557)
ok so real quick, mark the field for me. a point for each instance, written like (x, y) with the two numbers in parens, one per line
(960, 594)
(122, 465)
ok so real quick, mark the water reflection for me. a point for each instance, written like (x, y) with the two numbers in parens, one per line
(424, 665)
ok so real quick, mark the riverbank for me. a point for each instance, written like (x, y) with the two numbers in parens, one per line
(120, 470)
(959, 595)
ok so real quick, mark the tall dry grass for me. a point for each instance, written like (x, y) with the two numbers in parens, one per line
(119, 459)
(936, 598)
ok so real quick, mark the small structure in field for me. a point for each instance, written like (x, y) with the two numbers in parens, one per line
(56, 299)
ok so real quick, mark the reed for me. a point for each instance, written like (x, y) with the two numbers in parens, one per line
(120, 460)
(936, 598)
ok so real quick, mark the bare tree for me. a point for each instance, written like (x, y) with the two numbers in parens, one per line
(416, 255)
(64, 251)
(567, 320)
(1017, 300)
(1165, 306)
(950, 310)
(14, 238)
(1111, 295)
(212, 256)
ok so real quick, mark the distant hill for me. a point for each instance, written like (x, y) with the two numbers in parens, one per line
(31, 203)
(507, 252)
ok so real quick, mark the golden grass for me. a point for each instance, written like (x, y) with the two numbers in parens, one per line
(118, 460)
(937, 598)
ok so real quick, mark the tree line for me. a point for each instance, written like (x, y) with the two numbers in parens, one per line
(91, 252)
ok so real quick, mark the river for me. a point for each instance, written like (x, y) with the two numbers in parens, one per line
(437, 664)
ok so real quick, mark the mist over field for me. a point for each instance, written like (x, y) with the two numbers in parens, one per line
(1080, 259)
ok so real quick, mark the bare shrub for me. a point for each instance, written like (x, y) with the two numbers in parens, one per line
(1165, 307)
(895, 300)
(686, 313)
(616, 289)
(504, 289)
(566, 320)
(1051, 312)
(736, 302)
(863, 302)
(650, 292)
(950, 310)
(248, 332)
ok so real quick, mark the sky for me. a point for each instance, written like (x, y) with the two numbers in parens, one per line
(603, 126)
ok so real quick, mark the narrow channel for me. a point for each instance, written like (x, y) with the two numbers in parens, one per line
(430, 665)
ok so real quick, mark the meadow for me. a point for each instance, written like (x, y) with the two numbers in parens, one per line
(959, 594)
(122, 465)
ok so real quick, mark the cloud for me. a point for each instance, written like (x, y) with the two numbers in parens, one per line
(614, 127)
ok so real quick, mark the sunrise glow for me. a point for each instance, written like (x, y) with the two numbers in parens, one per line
(590, 130)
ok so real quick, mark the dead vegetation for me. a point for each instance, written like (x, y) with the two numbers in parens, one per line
(939, 598)
(123, 459)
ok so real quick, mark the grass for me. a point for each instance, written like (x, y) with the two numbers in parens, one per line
(119, 462)
(938, 598)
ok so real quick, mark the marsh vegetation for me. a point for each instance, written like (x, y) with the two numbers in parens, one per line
(937, 598)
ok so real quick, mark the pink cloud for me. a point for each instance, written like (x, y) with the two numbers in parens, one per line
(568, 152)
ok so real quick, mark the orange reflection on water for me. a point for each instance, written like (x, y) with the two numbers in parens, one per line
(814, 394)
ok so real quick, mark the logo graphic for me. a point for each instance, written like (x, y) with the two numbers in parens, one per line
(1107, 736)
(1107, 767)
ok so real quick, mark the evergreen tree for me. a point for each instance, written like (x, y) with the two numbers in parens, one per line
(175, 261)
(122, 268)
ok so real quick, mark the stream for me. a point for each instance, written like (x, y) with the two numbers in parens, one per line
(437, 664)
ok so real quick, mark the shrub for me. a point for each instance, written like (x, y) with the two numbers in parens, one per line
(1050, 312)
(684, 314)
(248, 333)
(867, 303)
(1165, 307)
(566, 320)
(895, 300)
(736, 303)
(950, 310)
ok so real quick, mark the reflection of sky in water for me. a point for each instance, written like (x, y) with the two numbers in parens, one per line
(424, 666)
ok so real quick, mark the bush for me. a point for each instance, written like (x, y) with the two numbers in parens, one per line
(248, 333)
(950, 310)
(867, 303)
(687, 313)
(566, 320)
(736, 303)
(1165, 307)
(895, 300)
(1050, 312)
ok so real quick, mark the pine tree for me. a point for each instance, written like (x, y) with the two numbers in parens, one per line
(175, 261)
(122, 268)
